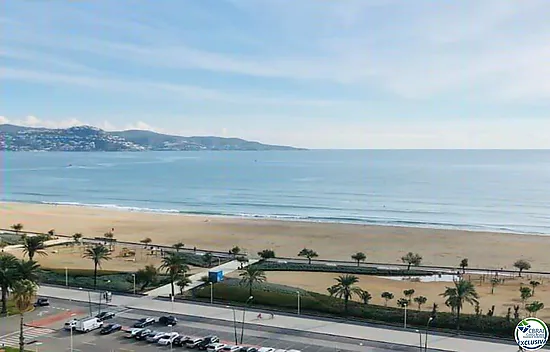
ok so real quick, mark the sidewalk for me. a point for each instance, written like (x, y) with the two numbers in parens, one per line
(227, 268)
(287, 322)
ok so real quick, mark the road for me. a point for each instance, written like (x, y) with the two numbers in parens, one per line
(46, 333)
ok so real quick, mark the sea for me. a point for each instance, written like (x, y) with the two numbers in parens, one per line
(486, 190)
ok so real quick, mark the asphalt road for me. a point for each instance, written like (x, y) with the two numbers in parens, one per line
(48, 334)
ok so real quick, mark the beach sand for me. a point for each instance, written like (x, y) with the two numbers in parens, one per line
(331, 241)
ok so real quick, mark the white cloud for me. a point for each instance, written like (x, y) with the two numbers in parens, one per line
(33, 121)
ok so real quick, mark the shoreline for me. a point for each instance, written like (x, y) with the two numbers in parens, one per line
(293, 219)
(330, 240)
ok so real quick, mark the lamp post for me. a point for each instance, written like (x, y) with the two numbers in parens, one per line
(298, 292)
(72, 327)
(234, 323)
(420, 335)
(134, 276)
(170, 336)
(405, 317)
(244, 311)
(426, 339)
(211, 293)
(66, 277)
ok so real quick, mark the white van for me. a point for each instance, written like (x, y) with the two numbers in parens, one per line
(88, 324)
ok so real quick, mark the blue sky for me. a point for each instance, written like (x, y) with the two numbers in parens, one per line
(311, 73)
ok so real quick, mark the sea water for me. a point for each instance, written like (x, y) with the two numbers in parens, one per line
(491, 190)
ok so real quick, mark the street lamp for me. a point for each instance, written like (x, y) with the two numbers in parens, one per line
(405, 318)
(298, 292)
(244, 311)
(170, 336)
(211, 292)
(72, 327)
(234, 323)
(420, 335)
(426, 339)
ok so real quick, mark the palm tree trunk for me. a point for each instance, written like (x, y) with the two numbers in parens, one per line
(346, 305)
(21, 337)
(309, 261)
(31, 255)
(4, 299)
(172, 286)
(250, 290)
(409, 267)
(458, 317)
(95, 275)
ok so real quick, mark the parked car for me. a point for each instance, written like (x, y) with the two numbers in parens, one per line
(142, 335)
(105, 315)
(143, 322)
(207, 340)
(41, 302)
(294, 351)
(280, 350)
(168, 320)
(110, 328)
(194, 342)
(156, 337)
(215, 347)
(266, 349)
(132, 333)
(231, 348)
(70, 325)
(181, 340)
(168, 338)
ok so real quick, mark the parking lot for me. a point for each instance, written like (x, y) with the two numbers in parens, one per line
(54, 339)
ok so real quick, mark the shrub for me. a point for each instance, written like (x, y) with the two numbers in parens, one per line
(344, 269)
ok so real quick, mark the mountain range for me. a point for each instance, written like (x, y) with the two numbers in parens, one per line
(88, 138)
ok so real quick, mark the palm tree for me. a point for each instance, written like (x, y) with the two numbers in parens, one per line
(34, 245)
(109, 237)
(463, 292)
(267, 254)
(402, 302)
(8, 275)
(534, 307)
(409, 293)
(235, 251)
(386, 296)
(50, 233)
(359, 257)
(183, 282)
(365, 296)
(97, 254)
(308, 253)
(464, 264)
(178, 246)
(27, 269)
(146, 276)
(411, 259)
(420, 300)
(522, 265)
(77, 237)
(494, 282)
(344, 288)
(146, 241)
(207, 258)
(534, 285)
(525, 294)
(250, 276)
(17, 228)
(174, 264)
(24, 292)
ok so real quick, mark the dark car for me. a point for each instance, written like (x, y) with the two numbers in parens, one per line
(143, 322)
(181, 340)
(142, 335)
(41, 302)
(249, 349)
(109, 328)
(105, 315)
(207, 340)
(168, 320)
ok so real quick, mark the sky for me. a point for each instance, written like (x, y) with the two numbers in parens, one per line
(309, 73)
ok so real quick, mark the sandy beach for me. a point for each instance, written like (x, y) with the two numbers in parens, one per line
(331, 241)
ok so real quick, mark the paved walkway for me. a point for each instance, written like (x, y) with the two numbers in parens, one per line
(49, 243)
(196, 281)
(410, 338)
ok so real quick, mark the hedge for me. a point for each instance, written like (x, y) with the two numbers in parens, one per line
(325, 305)
(119, 281)
(344, 269)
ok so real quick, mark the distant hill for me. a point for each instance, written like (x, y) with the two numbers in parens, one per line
(88, 138)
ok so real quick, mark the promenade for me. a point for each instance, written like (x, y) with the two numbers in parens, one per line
(329, 327)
